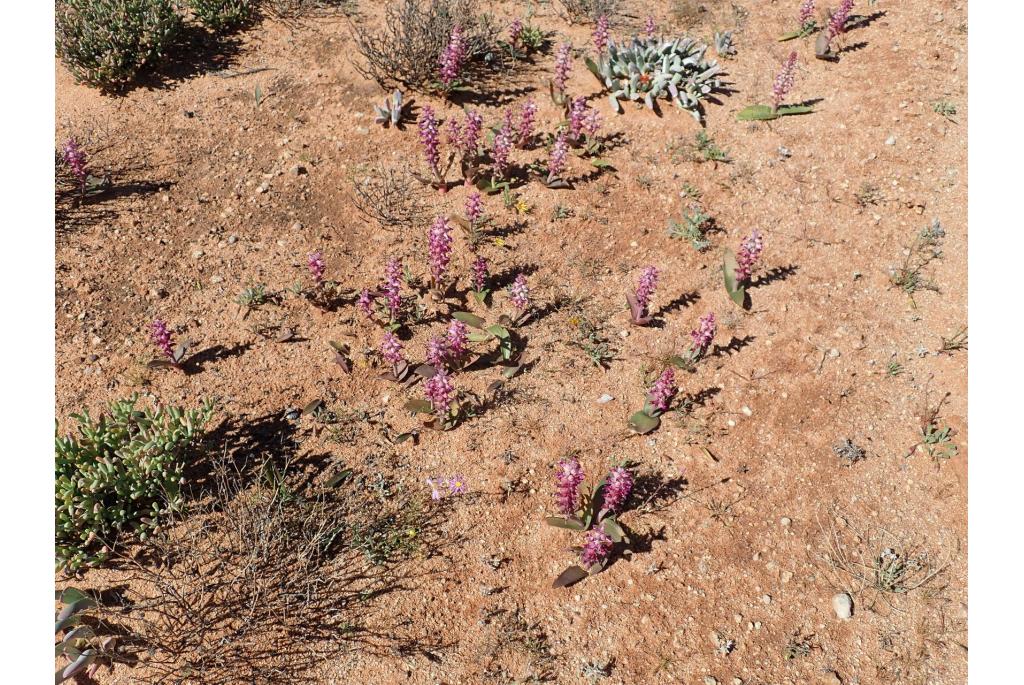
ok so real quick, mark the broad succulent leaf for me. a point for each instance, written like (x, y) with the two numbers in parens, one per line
(570, 576)
(469, 319)
(737, 291)
(571, 524)
(641, 422)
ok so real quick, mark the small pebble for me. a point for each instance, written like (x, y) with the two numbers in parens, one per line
(604, 398)
(785, 521)
(891, 140)
(710, 680)
(842, 603)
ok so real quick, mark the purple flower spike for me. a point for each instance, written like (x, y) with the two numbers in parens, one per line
(458, 338)
(430, 139)
(806, 12)
(453, 57)
(649, 27)
(837, 24)
(474, 208)
(750, 252)
(365, 303)
(437, 352)
(784, 81)
(391, 348)
(392, 288)
(703, 336)
(645, 288)
(663, 391)
(440, 245)
(440, 391)
(568, 478)
(470, 139)
(563, 63)
(617, 488)
(596, 548)
(601, 34)
(559, 152)
(527, 121)
(479, 274)
(74, 157)
(515, 31)
(519, 293)
(502, 147)
(162, 338)
(315, 261)
(577, 115)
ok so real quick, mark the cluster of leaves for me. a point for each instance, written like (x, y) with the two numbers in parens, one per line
(77, 641)
(107, 42)
(225, 15)
(693, 227)
(120, 474)
(909, 276)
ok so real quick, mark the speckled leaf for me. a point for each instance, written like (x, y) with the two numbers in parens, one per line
(469, 319)
(312, 406)
(419, 406)
(643, 423)
(737, 292)
(559, 522)
(613, 530)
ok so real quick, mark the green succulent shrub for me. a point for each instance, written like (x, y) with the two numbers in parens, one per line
(224, 15)
(645, 69)
(119, 474)
(107, 42)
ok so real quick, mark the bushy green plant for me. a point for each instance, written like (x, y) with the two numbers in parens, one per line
(119, 473)
(107, 42)
(224, 15)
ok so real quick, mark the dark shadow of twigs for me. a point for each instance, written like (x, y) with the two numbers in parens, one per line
(196, 52)
(859, 21)
(733, 346)
(852, 47)
(654, 492)
(197, 361)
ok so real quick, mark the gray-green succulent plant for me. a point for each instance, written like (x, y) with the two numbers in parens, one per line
(646, 69)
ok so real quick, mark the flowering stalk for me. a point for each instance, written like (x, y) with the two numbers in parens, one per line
(502, 148)
(437, 352)
(664, 389)
(527, 121)
(480, 277)
(161, 337)
(702, 337)
(391, 349)
(649, 27)
(315, 261)
(452, 58)
(617, 488)
(837, 24)
(577, 118)
(784, 81)
(439, 390)
(806, 15)
(557, 158)
(568, 478)
(563, 63)
(601, 36)
(392, 289)
(466, 139)
(596, 548)
(439, 241)
(474, 212)
(431, 142)
(365, 303)
(519, 294)
(645, 289)
(515, 32)
(457, 340)
(74, 156)
(750, 251)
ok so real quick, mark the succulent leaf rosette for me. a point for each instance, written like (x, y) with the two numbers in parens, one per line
(646, 69)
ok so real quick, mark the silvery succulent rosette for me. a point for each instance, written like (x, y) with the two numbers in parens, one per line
(651, 68)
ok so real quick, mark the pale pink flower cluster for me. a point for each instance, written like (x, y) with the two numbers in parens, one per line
(749, 253)
(453, 57)
(439, 242)
(784, 81)
(664, 390)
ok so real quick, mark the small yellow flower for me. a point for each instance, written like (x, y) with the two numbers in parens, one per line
(522, 207)
(499, 242)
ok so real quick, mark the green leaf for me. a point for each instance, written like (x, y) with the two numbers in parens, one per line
(788, 110)
(737, 292)
(594, 69)
(419, 406)
(613, 530)
(602, 164)
(643, 423)
(559, 522)
(342, 475)
(479, 337)
(498, 331)
(757, 113)
(570, 576)
(469, 319)
(790, 36)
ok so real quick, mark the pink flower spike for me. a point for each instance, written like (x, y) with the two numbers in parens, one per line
(74, 157)
(556, 161)
(563, 63)
(837, 24)
(430, 140)
(453, 57)
(479, 274)
(515, 32)
(617, 488)
(519, 293)
(649, 27)
(645, 288)
(784, 81)
(315, 261)
(596, 548)
(474, 208)
(439, 390)
(458, 338)
(501, 149)
(391, 349)
(162, 338)
(568, 478)
(601, 34)
(392, 289)
(365, 303)
(703, 336)
(663, 391)
(749, 253)
(806, 12)
(439, 241)
(437, 352)
(527, 121)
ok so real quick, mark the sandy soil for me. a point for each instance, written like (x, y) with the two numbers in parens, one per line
(207, 199)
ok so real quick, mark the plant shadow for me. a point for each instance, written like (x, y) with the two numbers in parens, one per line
(197, 362)
(732, 347)
(778, 273)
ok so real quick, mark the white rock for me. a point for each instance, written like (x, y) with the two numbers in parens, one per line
(604, 398)
(842, 603)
